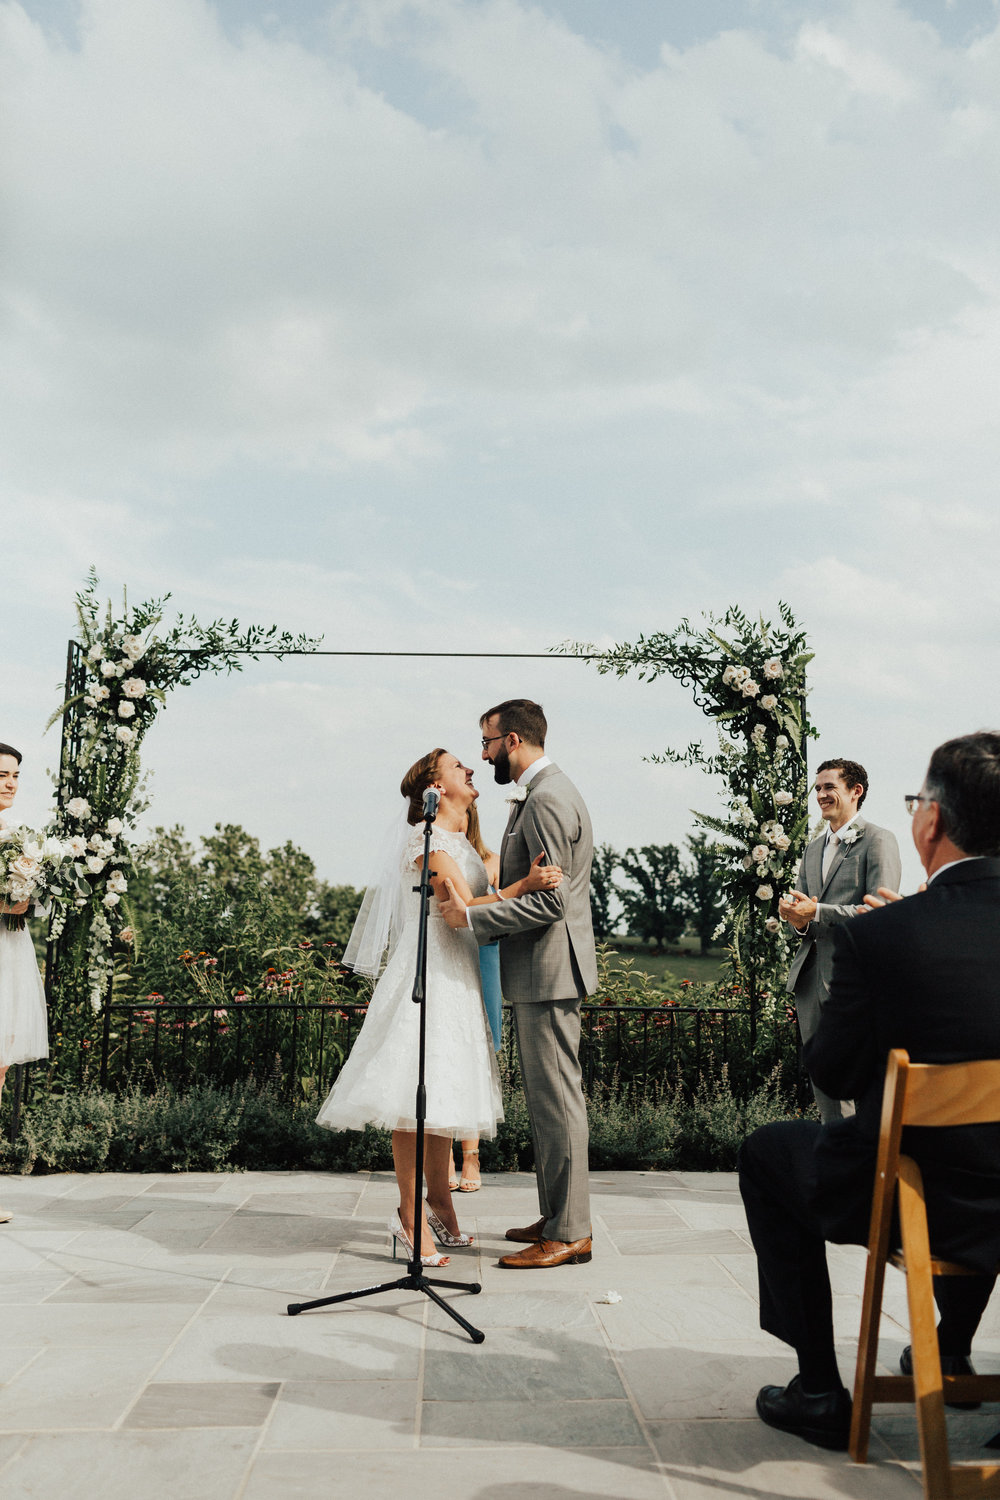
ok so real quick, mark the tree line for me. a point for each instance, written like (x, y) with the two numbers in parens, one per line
(656, 893)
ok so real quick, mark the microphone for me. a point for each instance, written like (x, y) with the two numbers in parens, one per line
(431, 799)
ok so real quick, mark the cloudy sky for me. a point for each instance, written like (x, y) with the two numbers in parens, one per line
(484, 324)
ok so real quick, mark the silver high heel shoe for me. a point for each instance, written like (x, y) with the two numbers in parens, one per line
(399, 1233)
(445, 1236)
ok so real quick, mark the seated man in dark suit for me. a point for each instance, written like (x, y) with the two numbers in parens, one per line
(924, 974)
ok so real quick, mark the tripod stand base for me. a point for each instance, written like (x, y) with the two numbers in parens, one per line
(414, 1281)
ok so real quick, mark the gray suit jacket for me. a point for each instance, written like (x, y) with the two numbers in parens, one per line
(547, 948)
(858, 869)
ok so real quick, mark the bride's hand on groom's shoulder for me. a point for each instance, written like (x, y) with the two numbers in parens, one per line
(452, 906)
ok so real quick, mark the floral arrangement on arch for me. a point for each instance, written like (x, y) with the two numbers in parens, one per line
(749, 676)
(121, 671)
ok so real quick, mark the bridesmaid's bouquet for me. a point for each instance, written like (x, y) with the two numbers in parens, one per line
(39, 867)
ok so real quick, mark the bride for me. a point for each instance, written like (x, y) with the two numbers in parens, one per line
(378, 1083)
(24, 1030)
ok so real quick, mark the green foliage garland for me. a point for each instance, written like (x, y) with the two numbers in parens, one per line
(127, 666)
(749, 676)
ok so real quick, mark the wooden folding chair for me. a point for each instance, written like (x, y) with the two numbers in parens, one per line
(928, 1095)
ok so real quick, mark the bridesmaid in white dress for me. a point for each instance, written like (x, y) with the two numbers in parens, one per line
(24, 1031)
(378, 1082)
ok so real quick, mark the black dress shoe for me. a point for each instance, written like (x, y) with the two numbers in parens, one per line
(951, 1364)
(824, 1420)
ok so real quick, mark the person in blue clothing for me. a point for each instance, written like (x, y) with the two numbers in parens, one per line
(489, 968)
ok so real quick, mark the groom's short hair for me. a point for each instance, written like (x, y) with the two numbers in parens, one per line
(521, 717)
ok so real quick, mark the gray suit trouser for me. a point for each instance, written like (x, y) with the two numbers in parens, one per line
(548, 1047)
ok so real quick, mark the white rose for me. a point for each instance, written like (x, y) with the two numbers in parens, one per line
(102, 693)
(78, 807)
(749, 688)
(117, 882)
(764, 893)
(761, 871)
(781, 841)
(134, 687)
(95, 841)
(133, 647)
(90, 702)
(126, 710)
(77, 846)
(95, 864)
(783, 799)
(53, 848)
(772, 924)
(768, 701)
(773, 669)
(111, 899)
(96, 651)
(758, 853)
(730, 676)
(115, 827)
(781, 743)
(108, 669)
(25, 867)
(124, 735)
(747, 862)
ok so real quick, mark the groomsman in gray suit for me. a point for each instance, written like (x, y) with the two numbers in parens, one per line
(547, 966)
(848, 861)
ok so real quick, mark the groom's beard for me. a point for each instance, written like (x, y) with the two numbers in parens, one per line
(501, 767)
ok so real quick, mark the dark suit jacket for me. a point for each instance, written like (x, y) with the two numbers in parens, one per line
(924, 974)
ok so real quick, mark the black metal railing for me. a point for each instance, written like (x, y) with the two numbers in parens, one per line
(293, 1047)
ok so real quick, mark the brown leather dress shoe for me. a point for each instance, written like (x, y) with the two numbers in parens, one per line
(548, 1253)
(530, 1236)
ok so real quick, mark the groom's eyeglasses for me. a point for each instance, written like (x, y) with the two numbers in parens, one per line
(492, 738)
(914, 801)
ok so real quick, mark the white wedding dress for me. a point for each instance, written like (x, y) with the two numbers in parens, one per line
(24, 1024)
(378, 1082)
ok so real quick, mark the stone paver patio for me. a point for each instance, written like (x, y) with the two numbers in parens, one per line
(146, 1350)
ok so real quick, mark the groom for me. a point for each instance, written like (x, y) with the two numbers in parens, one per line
(547, 966)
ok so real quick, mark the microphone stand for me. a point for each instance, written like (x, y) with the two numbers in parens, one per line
(414, 1280)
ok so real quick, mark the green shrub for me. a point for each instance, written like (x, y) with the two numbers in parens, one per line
(248, 1128)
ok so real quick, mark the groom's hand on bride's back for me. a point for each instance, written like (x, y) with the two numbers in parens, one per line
(452, 906)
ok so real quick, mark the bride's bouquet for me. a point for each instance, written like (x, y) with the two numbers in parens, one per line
(39, 868)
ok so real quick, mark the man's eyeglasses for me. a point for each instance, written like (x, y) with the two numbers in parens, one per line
(914, 801)
(492, 738)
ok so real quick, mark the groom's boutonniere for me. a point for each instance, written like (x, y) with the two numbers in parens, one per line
(518, 794)
(850, 835)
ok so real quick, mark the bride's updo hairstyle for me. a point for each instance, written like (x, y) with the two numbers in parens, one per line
(416, 781)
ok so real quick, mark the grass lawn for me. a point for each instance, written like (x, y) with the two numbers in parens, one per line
(685, 963)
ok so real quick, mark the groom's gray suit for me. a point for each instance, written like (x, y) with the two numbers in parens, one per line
(856, 869)
(547, 966)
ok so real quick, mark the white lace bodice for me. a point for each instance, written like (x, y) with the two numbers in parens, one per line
(460, 850)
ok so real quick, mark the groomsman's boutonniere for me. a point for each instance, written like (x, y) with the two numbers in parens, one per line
(850, 835)
(518, 794)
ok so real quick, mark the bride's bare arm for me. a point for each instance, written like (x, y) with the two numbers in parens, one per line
(443, 868)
